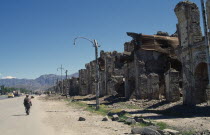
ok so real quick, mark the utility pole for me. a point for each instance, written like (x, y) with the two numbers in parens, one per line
(66, 83)
(57, 86)
(207, 48)
(97, 75)
(66, 74)
(95, 44)
(61, 68)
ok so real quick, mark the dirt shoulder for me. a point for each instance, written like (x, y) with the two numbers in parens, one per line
(174, 115)
(64, 119)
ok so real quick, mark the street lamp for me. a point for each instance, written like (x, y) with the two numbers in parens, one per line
(95, 44)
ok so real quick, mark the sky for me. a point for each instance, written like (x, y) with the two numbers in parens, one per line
(36, 36)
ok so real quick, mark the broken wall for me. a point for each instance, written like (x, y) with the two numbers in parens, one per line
(111, 73)
(191, 51)
(83, 82)
(172, 85)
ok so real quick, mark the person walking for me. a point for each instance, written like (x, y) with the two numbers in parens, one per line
(27, 103)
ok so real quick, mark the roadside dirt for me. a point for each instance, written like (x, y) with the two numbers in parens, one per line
(64, 119)
(175, 115)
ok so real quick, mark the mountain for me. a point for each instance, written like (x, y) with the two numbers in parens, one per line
(41, 83)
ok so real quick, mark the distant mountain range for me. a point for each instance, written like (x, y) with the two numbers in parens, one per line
(41, 83)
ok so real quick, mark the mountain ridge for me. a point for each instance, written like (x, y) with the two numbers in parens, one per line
(41, 83)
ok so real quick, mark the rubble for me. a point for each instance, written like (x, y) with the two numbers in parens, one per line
(142, 120)
(130, 121)
(115, 117)
(171, 131)
(106, 118)
(81, 119)
(145, 131)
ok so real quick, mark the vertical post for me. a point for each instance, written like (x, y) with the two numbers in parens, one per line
(66, 74)
(66, 83)
(97, 75)
(56, 86)
(105, 76)
(95, 44)
(61, 80)
(61, 68)
(207, 48)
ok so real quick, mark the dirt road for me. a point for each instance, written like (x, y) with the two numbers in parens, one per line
(53, 118)
(13, 120)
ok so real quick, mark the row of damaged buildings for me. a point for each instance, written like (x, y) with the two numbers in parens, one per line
(152, 66)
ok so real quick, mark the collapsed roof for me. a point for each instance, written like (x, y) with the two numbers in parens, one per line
(162, 44)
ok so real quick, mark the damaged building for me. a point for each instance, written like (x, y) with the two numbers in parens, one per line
(192, 53)
(68, 87)
(111, 74)
(153, 66)
(147, 59)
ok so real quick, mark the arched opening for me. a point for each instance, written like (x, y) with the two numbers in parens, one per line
(201, 82)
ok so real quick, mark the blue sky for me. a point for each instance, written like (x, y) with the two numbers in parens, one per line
(36, 36)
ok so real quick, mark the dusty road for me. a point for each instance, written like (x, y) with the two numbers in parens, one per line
(13, 120)
(53, 118)
(3, 97)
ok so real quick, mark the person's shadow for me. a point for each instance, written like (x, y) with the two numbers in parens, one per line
(19, 115)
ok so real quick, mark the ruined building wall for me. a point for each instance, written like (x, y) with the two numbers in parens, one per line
(92, 78)
(58, 87)
(66, 86)
(188, 23)
(83, 82)
(172, 85)
(111, 73)
(70, 87)
(87, 77)
(138, 72)
(208, 12)
(74, 87)
(129, 70)
(130, 86)
(153, 86)
(190, 50)
(148, 58)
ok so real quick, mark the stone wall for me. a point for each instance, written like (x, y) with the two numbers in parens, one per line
(148, 58)
(83, 82)
(191, 52)
(92, 79)
(74, 87)
(66, 86)
(172, 85)
(111, 73)
(188, 23)
(153, 86)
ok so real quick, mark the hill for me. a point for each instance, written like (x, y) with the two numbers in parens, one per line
(41, 83)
